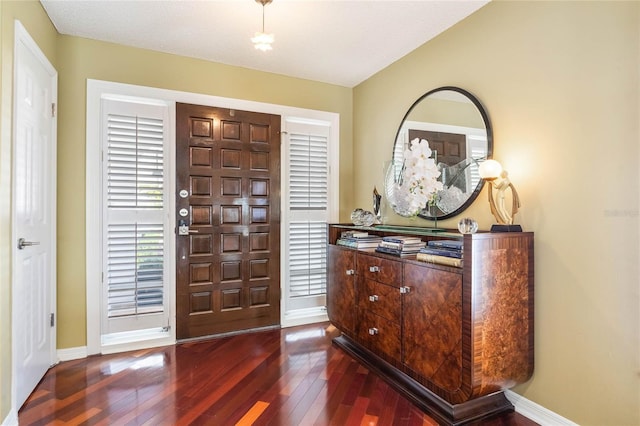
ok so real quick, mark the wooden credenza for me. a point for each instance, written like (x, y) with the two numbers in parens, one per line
(450, 339)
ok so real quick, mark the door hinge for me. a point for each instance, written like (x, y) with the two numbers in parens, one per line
(404, 290)
(53, 109)
(52, 319)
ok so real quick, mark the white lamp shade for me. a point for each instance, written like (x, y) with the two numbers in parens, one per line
(490, 169)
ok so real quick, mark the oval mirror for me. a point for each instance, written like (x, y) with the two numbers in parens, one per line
(459, 133)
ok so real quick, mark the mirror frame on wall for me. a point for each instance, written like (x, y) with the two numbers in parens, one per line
(489, 135)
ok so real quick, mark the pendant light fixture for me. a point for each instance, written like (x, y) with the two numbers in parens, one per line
(261, 40)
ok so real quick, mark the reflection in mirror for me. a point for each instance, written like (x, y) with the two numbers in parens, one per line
(459, 134)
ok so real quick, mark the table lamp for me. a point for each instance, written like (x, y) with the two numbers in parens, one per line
(492, 172)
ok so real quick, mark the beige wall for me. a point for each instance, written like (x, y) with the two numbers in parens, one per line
(560, 83)
(37, 23)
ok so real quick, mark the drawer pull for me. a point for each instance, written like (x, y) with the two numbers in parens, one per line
(351, 272)
(374, 269)
(373, 298)
(373, 331)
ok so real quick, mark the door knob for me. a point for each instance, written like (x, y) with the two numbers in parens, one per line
(183, 228)
(22, 243)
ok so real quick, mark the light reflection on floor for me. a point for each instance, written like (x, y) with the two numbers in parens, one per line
(117, 365)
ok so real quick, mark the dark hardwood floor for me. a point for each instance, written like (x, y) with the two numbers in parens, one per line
(293, 376)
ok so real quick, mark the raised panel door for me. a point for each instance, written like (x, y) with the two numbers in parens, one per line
(228, 265)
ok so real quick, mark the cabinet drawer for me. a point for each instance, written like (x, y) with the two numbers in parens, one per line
(378, 334)
(380, 299)
(378, 269)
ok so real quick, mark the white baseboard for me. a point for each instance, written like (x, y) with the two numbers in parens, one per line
(536, 412)
(119, 347)
(304, 316)
(11, 419)
(72, 353)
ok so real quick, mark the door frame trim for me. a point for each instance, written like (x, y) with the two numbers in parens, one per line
(22, 37)
(96, 92)
(93, 257)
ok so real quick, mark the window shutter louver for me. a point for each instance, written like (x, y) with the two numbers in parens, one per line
(135, 269)
(134, 228)
(135, 164)
(476, 150)
(308, 172)
(308, 258)
(308, 211)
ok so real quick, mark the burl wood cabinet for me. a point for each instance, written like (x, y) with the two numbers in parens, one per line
(450, 339)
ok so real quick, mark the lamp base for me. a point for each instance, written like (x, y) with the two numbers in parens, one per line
(506, 228)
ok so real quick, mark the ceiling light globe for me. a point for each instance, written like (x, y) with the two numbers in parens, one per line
(263, 41)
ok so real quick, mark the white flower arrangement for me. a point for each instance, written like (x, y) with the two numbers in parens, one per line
(419, 185)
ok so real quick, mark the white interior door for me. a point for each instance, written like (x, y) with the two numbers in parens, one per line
(33, 204)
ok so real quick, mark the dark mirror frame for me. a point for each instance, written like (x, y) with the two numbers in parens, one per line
(487, 125)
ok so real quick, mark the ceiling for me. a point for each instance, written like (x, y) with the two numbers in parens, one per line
(333, 41)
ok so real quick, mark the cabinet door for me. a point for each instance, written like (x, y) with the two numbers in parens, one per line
(341, 290)
(432, 325)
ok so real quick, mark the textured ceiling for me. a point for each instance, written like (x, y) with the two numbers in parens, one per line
(337, 42)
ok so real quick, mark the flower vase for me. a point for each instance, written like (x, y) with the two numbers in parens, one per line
(433, 213)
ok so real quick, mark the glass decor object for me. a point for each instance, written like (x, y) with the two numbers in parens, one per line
(367, 218)
(360, 217)
(356, 217)
(377, 204)
(467, 225)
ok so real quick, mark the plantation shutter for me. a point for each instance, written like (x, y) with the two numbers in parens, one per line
(476, 147)
(134, 230)
(308, 211)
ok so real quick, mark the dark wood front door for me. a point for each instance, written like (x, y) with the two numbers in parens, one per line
(451, 147)
(228, 194)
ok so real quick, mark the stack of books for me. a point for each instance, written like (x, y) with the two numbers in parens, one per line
(358, 240)
(400, 245)
(444, 252)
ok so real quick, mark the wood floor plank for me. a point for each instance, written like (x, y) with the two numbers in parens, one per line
(251, 416)
(287, 377)
(358, 411)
